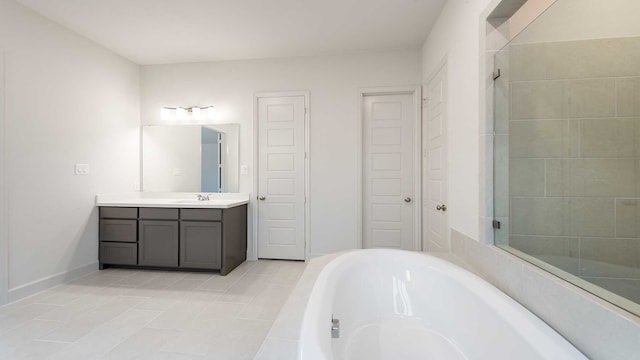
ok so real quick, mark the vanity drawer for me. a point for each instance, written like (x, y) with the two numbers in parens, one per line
(158, 214)
(201, 214)
(114, 253)
(118, 230)
(119, 212)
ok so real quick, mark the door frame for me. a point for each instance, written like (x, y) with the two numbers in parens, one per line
(416, 92)
(252, 252)
(441, 67)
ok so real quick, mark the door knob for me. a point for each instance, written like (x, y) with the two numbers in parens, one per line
(261, 198)
(442, 207)
(407, 199)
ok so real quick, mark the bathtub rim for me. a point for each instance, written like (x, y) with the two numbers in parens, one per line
(530, 327)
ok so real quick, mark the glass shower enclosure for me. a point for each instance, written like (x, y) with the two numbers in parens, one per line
(567, 157)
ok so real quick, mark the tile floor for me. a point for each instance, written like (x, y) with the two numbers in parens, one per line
(138, 314)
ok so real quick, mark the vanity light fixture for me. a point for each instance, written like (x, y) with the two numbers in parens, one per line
(182, 114)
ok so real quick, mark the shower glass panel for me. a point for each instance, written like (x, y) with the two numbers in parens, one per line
(567, 147)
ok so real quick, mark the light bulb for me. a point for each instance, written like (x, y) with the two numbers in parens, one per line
(195, 112)
(181, 113)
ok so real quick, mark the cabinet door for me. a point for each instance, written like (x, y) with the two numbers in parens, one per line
(158, 243)
(200, 244)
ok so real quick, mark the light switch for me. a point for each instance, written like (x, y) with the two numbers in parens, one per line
(244, 169)
(82, 169)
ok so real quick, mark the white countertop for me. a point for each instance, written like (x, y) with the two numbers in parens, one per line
(173, 200)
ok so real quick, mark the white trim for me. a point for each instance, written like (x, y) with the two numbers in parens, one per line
(45, 283)
(4, 190)
(252, 253)
(416, 91)
(442, 65)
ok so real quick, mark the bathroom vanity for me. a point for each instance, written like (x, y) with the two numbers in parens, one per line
(173, 231)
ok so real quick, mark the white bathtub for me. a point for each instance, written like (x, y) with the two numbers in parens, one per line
(401, 305)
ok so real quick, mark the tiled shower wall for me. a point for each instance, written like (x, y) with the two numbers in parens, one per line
(567, 149)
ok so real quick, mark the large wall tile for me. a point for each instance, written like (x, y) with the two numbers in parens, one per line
(537, 100)
(501, 175)
(591, 177)
(528, 62)
(526, 177)
(637, 169)
(610, 257)
(501, 236)
(628, 218)
(501, 94)
(628, 96)
(591, 98)
(561, 252)
(589, 217)
(536, 216)
(592, 58)
(610, 137)
(543, 138)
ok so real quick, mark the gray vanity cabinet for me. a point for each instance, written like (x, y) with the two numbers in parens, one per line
(204, 238)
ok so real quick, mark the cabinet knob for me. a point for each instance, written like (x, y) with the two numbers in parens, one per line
(442, 207)
(261, 198)
(407, 199)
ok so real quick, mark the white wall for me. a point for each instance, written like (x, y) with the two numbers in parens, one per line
(67, 101)
(333, 83)
(456, 38)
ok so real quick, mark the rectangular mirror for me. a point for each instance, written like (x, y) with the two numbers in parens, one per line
(190, 158)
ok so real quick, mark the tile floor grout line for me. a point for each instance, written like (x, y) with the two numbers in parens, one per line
(53, 341)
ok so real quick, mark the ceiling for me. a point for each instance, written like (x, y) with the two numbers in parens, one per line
(177, 31)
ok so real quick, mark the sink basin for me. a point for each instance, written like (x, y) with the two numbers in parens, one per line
(190, 201)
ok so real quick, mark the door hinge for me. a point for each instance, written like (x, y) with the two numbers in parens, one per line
(496, 74)
(496, 224)
(425, 103)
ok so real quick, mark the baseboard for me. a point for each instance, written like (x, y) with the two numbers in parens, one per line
(37, 286)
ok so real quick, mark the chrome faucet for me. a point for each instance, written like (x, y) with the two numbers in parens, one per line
(335, 328)
(203, 197)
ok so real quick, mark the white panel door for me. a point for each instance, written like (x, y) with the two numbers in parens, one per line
(435, 220)
(281, 169)
(388, 171)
